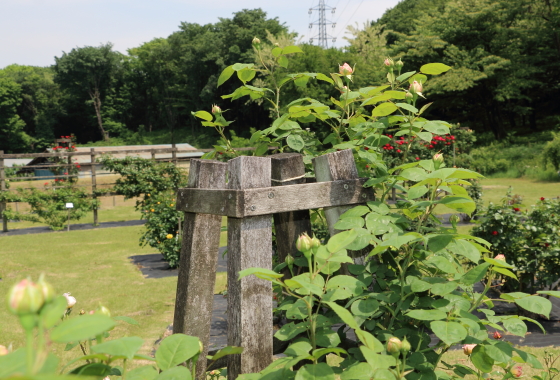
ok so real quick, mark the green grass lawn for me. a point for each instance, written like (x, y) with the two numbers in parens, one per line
(94, 266)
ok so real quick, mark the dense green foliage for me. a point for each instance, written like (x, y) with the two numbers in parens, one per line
(504, 54)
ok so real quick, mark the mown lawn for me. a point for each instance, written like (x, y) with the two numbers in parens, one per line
(94, 266)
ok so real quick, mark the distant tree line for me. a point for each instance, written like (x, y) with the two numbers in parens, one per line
(505, 56)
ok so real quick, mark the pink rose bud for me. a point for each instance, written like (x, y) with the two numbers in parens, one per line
(399, 63)
(304, 243)
(388, 62)
(438, 157)
(3, 350)
(500, 257)
(394, 346)
(517, 371)
(25, 298)
(415, 87)
(405, 347)
(345, 69)
(315, 243)
(468, 348)
(217, 110)
(256, 41)
(497, 335)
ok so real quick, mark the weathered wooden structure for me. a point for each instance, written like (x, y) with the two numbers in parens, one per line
(251, 191)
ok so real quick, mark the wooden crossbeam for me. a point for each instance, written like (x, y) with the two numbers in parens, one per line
(271, 200)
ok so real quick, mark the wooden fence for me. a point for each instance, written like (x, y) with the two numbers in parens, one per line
(258, 189)
(93, 154)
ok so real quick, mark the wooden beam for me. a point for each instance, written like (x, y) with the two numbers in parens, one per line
(249, 299)
(289, 169)
(271, 200)
(198, 262)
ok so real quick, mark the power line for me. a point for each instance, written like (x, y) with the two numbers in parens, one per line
(347, 21)
(322, 23)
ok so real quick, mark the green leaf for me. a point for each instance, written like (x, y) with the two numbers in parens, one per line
(52, 312)
(355, 211)
(291, 50)
(203, 115)
(325, 78)
(82, 328)
(291, 330)
(365, 307)
(295, 142)
(126, 319)
(276, 52)
(283, 61)
(465, 249)
(377, 361)
(246, 75)
(127, 346)
(528, 358)
(349, 223)
(13, 363)
(475, 274)
(351, 285)
(504, 271)
(413, 174)
(437, 128)
(500, 352)
(499, 263)
(449, 332)
(228, 350)
(442, 263)
(298, 349)
(405, 76)
(426, 136)
(357, 372)
(427, 315)
(434, 68)
(176, 349)
(146, 372)
(553, 293)
(262, 273)
(515, 326)
(384, 109)
(481, 360)
(315, 372)
(416, 192)
(93, 369)
(535, 304)
(225, 75)
(327, 338)
(407, 107)
(175, 373)
(344, 314)
(341, 240)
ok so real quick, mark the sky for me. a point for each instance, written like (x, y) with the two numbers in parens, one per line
(35, 31)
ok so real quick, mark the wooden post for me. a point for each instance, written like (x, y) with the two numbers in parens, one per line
(69, 162)
(249, 299)
(334, 167)
(2, 189)
(199, 260)
(94, 186)
(289, 169)
(174, 154)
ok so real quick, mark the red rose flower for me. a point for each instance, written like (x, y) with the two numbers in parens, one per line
(417, 158)
(398, 150)
(497, 335)
(542, 198)
(431, 146)
(366, 148)
(494, 233)
(46, 183)
(516, 209)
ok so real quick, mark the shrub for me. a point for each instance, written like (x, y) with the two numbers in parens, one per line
(551, 152)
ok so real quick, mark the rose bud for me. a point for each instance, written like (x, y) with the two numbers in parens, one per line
(103, 311)
(405, 347)
(217, 110)
(517, 371)
(70, 301)
(388, 62)
(468, 348)
(394, 346)
(438, 157)
(25, 298)
(500, 257)
(345, 69)
(497, 335)
(46, 289)
(415, 87)
(399, 63)
(256, 41)
(315, 243)
(304, 243)
(82, 312)
(289, 260)
(3, 350)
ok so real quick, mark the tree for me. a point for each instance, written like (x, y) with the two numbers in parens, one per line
(12, 136)
(89, 70)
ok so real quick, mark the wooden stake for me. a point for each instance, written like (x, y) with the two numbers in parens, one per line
(249, 299)
(198, 262)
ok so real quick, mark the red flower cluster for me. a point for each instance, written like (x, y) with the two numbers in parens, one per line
(542, 198)
(446, 140)
(494, 233)
(516, 209)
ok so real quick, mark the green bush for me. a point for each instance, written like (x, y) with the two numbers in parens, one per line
(529, 240)
(551, 152)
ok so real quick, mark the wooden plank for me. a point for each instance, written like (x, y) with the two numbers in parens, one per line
(334, 167)
(94, 185)
(3, 205)
(249, 299)
(270, 200)
(198, 262)
(288, 169)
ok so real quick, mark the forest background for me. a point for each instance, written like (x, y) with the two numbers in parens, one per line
(505, 81)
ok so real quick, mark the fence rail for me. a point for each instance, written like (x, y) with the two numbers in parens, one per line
(94, 153)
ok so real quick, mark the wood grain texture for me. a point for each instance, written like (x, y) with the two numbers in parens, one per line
(288, 169)
(249, 299)
(197, 268)
(270, 200)
(334, 167)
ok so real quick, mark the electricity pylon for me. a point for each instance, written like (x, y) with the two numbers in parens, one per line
(322, 22)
